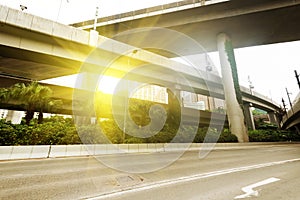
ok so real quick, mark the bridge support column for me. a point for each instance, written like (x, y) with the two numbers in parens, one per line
(14, 116)
(87, 82)
(233, 97)
(174, 97)
(248, 116)
(273, 119)
(93, 38)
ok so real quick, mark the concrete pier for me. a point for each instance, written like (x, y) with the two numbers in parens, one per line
(231, 89)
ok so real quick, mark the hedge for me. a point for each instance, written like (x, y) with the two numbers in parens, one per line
(58, 130)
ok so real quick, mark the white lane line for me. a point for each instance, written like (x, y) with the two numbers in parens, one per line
(249, 189)
(169, 182)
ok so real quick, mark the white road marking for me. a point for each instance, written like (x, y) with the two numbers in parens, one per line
(249, 189)
(164, 183)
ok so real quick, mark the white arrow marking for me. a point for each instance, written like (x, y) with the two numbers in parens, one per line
(249, 189)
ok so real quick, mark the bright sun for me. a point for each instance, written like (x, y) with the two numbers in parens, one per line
(107, 84)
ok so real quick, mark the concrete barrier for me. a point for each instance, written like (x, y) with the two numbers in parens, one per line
(133, 148)
(170, 147)
(143, 148)
(160, 147)
(123, 148)
(100, 149)
(84, 151)
(21, 152)
(40, 151)
(195, 146)
(5, 152)
(151, 148)
(113, 148)
(183, 146)
(73, 150)
(53, 151)
(88, 150)
(58, 151)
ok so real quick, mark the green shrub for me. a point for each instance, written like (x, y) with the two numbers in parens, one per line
(211, 135)
(226, 136)
(8, 135)
(91, 134)
(57, 130)
(270, 135)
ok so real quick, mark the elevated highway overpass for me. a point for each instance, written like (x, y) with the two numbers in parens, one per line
(252, 23)
(249, 23)
(33, 48)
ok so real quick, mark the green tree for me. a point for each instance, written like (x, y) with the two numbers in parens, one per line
(33, 97)
(4, 95)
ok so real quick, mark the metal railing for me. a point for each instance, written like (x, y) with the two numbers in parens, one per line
(146, 12)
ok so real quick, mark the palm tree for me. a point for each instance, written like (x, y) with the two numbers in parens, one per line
(34, 97)
(47, 104)
(4, 95)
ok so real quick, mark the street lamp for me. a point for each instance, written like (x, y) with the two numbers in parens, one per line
(96, 18)
(284, 106)
(251, 87)
(23, 7)
(297, 77)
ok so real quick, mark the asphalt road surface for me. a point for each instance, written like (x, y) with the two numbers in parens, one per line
(257, 172)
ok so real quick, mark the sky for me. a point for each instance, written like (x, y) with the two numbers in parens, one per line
(270, 67)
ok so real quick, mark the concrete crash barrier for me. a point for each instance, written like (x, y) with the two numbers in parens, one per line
(55, 151)
(99, 149)
(5, 152)
(160, 147)
(170, 147)
(143, 148)
(133, 148)
(40, 151)
(113, 148)
(176, 147)
(195, 146)
(73, 150)
(151, 148)
(21, 152)
(123, 148)
(70, 150)
(88, 150)
(58, 151)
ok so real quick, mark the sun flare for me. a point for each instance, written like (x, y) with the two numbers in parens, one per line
(107, 84)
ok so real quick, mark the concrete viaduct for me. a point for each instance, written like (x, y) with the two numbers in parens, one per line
(256, 22)
(292, 118)
(33, 48)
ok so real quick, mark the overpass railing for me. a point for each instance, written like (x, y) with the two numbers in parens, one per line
(146, 12)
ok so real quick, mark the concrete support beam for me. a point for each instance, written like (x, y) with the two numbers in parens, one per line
(93, 38)
(233, 98)
(88, 83)
(248, 116)
(174, 114)
(272, 118)
(174, 97)
(14, 116)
